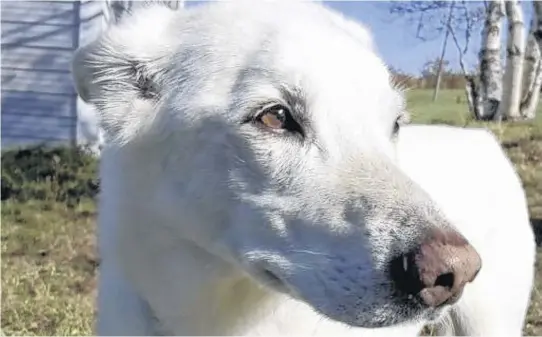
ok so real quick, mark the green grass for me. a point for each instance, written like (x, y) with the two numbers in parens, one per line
(48, 246)
(522, 140)
(48, 268)
(523, 144)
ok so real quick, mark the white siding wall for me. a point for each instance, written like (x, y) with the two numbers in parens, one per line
(39, 103)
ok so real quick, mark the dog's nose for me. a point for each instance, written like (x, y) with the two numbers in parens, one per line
(438, 269)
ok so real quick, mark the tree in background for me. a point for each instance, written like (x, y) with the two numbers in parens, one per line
(532, 71)
(489, 91)
(432, 18)
(515, 49)
(433, 69)
(492, 94)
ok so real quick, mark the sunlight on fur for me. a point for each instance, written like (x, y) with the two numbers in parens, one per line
(257, 178)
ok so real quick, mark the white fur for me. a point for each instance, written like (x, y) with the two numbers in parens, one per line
(196, 203)
(469, 175)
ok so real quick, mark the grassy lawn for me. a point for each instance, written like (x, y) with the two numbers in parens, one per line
(523, 144)
(48, 248)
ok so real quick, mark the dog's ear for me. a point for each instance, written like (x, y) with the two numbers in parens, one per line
(120, 73)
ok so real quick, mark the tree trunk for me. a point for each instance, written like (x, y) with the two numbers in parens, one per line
(530, 102)
(536, 31)
(532, 57)
(537, 23)
(532, 76)
(511, 98)
(444, 44)
(490, 88)
(474, 100)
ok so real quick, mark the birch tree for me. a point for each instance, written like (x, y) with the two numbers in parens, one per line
(532, 58)
(511, 96)
(490, 88)
(492, 94)
(532, 75)
(532, 83)
(537, 23)
(453, 18)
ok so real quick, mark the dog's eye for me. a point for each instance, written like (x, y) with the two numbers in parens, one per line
(278, 118)
(273, 117)
(396, 126)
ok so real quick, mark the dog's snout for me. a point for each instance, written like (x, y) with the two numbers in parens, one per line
(437, 270)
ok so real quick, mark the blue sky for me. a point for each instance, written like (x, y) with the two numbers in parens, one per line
(396, 37)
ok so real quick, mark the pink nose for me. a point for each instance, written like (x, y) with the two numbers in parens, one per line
(437, 270)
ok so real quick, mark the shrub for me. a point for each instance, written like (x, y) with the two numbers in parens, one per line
(40, 172)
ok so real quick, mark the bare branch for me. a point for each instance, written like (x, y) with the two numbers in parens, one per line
(431, 17)
(460, 51)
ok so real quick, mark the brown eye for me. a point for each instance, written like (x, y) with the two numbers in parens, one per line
(273, 117)
(278, 118)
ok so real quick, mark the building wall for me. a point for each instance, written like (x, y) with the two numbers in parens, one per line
(39, 103)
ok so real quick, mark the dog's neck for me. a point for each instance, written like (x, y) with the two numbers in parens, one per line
(216, 298)
(192, 292)
(188, 290)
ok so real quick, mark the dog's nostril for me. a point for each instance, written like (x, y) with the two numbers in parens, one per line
(436, 271)
(445, 280)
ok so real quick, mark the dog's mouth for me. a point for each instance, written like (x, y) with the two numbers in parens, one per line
(408, 309)
(273, 281)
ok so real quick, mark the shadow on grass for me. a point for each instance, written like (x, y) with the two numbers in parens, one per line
(537, 228)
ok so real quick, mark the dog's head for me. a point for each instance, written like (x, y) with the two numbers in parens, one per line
(265, 134)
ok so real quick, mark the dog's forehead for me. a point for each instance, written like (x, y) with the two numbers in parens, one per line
(332, 64)
(333, 72)
(328, 58)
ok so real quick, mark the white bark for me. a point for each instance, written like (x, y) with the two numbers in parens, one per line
(511, 98)
(532, 57)
(490, 89)
(537, 33)
(530, 103)
(474, 101)
(537, 24)
(532, 75)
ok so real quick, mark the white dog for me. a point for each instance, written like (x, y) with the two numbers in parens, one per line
(255, 182)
